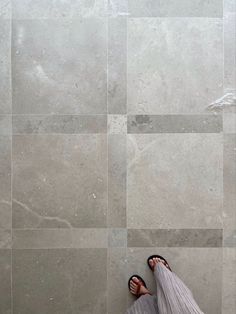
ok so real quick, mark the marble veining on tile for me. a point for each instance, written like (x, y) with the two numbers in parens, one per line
(166, 54)
(117, 141)
(54, 66)
(59, 181)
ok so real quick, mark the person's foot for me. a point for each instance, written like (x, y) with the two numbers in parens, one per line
(154, 261)
(137, 287)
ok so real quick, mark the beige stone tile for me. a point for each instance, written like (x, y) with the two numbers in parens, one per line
(60, 238)
(174, 181)
(229, 281)
(61, 281)
(54, 66)
(166, 54)
(5, 182)
(5, 278)
(59, 181)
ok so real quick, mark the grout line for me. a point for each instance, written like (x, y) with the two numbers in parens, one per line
(11, 165)
(107, 168)
(126, 154)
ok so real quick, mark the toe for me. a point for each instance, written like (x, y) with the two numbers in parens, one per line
(151, 263)
(135, 280)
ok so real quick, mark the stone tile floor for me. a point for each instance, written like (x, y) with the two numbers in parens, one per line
(116, 143)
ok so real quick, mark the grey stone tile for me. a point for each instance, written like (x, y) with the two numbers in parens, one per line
(5, 61)
(5, 9)
(175, 237)
(229, 122)
(116, 181)
(166, 54)
(5, 279)
(28, 9)
(54, 66)
(174, 181)
(61, 281)
(182, 8)
(59, 181)
(229, 6)
(5, 239)
(117, 124)
(230, 52)
(174, 123)
(60, 238)
(117, 282)
(5, 182)
(191, 265)
(229, 281)
(144, 8)
(117, 8)
(5, 125)
(117, 237)
(230, 236)
(229, 214)
(117, 65)
(67, 124)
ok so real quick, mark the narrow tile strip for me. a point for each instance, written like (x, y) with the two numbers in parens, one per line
(172, 8)
(5, 239)
(59, 238)
(5, 124)
(117, 50)
(175, 124)
(116, 181)
(65, 124)
(229, 182)
(175, 238)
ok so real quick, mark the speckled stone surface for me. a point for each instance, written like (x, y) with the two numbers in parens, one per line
(117, 141)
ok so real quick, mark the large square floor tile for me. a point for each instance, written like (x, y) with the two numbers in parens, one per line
(56, 69)
(59, 181)
(5, 280)
(61, 281)
(174, 65)
(5, 182)
(5, 61)
(174, 181)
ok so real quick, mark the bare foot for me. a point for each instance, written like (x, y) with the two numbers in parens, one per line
(137, 287)
(154, 261)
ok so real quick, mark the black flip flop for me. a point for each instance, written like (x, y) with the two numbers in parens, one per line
(139, 285)
(157, 256)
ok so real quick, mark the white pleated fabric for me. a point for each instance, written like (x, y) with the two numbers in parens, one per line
(173, 297)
